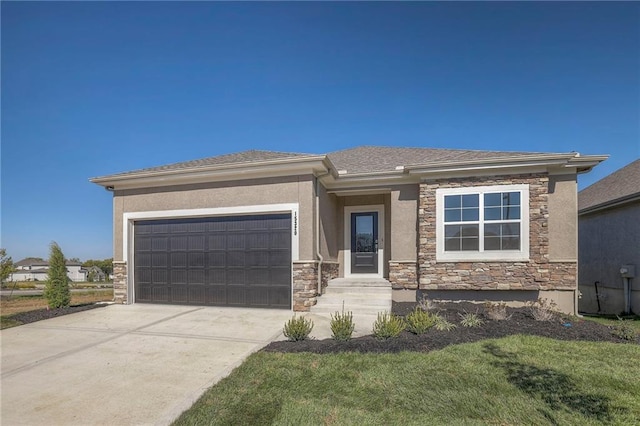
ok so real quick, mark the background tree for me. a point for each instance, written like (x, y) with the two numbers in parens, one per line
(6, 265)
(105, 265)
(57, 290)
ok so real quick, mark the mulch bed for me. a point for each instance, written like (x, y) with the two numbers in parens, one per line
(519, 321)
(43, 314)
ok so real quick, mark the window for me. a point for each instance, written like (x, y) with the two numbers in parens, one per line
(483, 223)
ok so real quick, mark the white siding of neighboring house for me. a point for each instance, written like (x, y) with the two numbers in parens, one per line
(74, 272)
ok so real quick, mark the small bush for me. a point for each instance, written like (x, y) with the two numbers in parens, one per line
(624, 331)
(425, 304)
(471, 319)
(419, 321)
(387, 326)
(496, 311)
(443, 325)
(297, 329)
(342, 326)
(542, 309)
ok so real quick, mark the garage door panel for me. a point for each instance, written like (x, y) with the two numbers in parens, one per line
(222, 261)
(159, 294)
(196, 276)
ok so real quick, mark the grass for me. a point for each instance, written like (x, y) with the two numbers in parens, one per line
(19, 304)
(515, 380)
(633, 322)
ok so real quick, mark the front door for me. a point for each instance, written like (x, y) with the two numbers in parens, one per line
(364, 243)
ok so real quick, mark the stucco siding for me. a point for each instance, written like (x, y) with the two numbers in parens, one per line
(563, 218)
(404, 219)
(609, 239)
(330, 223)
(295, 189)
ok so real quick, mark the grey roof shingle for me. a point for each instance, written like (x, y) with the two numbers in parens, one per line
(250, 156)
(621, 184)
(362, 159)
(369, 159)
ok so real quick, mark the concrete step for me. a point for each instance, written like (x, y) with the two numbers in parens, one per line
(357, 311)
(354, 299)
(358, 290)
(358, 282)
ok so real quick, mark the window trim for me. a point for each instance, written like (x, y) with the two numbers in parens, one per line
(486, 255)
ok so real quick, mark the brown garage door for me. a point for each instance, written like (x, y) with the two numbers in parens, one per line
(217, 261)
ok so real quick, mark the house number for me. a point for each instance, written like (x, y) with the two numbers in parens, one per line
(295, 223)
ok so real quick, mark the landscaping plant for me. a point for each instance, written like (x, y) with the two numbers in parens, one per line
(387, 325)
(297, 329)
(342, 325)
(624, 331)
(56, 290)
(443, 325)
(471, 319)
(542, 309)
(496, 311)
(419, 321)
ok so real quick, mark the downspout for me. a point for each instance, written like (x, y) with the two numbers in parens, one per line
(318, 254)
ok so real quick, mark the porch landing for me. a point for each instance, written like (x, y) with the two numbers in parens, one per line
(362, 296)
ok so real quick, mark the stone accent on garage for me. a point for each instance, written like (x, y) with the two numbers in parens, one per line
(120, 282)
(305, 282)
(536, 274)
(403, 274)
(305, 285)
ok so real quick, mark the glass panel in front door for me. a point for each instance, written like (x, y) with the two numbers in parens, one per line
(364, 243)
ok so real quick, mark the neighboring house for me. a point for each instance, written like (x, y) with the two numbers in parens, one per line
(34, 269)
(270, 229)
(609, 245)
(95, 274)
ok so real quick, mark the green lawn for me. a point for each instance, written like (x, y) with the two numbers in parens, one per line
(519, 380)
(633, 322)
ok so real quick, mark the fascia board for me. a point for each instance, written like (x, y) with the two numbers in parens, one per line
(279, 168)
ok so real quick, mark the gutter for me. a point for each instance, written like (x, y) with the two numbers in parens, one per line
(318, 254)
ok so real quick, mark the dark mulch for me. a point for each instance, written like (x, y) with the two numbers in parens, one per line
(43, 314)
(519, 321)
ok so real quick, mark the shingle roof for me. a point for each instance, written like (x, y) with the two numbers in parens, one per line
(621, 184)
(367, 159)
(30, 261)
(250, 156)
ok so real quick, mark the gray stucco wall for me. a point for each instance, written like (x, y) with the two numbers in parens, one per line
(330, 223)
(294, 189)
(608, 239)
(563, 218)
(404, 222)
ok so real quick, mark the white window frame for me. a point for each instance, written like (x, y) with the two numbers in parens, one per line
(481, 255)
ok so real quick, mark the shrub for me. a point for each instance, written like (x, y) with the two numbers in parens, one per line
(443, 325)
(297, 329)
(624, 331)
(387, 326)
(471, 319)
(419, 321)
(424, 303)
(342, 325)
(542, 309)
(496, 311)
(56, 290)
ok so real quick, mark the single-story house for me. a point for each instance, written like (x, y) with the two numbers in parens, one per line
(36, 269)
(271, 229)
(609, 247)
(95, 274)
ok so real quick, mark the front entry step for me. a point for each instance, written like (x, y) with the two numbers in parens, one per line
(362, 296)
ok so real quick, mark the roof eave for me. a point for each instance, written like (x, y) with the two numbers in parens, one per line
(609, 204)
(214, 173)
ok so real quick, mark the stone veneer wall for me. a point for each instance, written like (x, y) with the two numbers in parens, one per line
(120, 281)
(330, 270)
(305, 285)
(305, 282)
(403, 275)
(536, 274)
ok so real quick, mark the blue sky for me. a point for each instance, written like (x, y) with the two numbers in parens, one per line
(94, 88)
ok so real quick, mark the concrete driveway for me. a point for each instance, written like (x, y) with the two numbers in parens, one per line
(125, 364)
